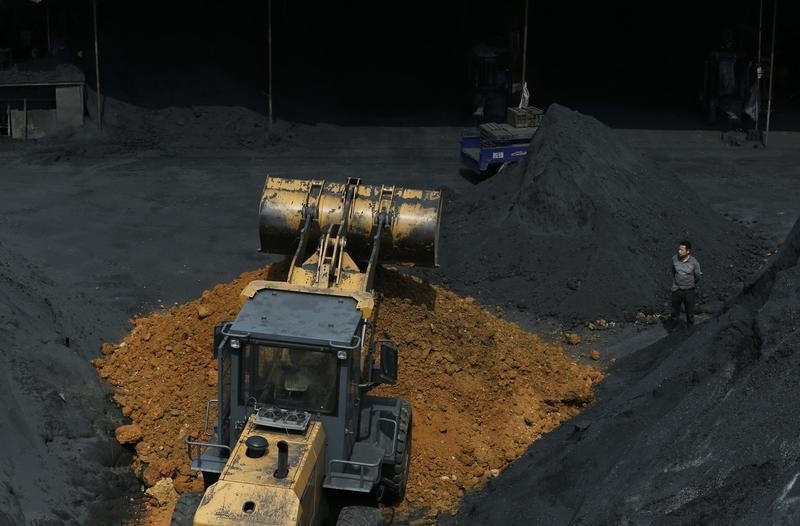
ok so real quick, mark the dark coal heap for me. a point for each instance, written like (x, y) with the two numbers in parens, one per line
(61, 463)
(585, 229)
(699, 428)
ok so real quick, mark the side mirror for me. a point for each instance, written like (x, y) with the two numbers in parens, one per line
(386, 371)
(218, 337)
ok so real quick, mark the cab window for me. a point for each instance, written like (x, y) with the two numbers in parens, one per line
(289, 378)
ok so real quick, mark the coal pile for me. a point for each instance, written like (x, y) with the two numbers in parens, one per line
(585, 229)
(59, 452)
(699, 428)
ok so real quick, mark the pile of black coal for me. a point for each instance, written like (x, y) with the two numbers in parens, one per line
(698, 428)
(61, 464)
(585, 229)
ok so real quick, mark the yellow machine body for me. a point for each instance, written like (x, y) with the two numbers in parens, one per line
(248, 492)
(352, 226)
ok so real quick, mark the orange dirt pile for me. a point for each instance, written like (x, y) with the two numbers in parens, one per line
(482, 388)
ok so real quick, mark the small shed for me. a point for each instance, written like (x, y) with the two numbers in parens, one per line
(40, 97)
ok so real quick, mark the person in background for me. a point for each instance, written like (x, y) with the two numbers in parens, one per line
(685, 277)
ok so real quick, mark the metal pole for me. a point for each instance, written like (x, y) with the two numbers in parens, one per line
(47, 16)
(771, 68)
(97, 64)
(269, 59)
(25, 119)
(525, 45)
(759, 70)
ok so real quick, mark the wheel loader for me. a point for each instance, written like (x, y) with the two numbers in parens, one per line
(293, 436)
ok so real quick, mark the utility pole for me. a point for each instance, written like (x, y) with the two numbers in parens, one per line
(771, 67)
(525, 45)
(269, 60)
(97, 64)
(759, 68)
(47, 17)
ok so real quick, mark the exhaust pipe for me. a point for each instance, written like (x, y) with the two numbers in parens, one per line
(283, 460)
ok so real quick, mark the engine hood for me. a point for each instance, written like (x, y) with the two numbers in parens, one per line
(248, 492)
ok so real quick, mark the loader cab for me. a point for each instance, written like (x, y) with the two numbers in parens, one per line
(296, 352)
(290, 358)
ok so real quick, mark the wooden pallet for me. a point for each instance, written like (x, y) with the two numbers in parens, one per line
(524, 117)
(493, 133)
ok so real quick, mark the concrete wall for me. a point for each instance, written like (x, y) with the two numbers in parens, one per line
(40, 123)
(69, 107)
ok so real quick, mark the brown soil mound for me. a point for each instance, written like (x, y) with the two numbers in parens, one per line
(482, 388)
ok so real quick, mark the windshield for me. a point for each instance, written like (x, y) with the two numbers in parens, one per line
(289, 378)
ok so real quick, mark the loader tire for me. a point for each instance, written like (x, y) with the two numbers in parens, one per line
(359, 516)
(183, 514)
(395, 476)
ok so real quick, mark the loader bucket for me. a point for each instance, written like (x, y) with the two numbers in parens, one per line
(412, 218)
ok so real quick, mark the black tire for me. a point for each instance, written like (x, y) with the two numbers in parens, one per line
(359, 516)
(209, 478)
(395, 476)
(187, 504)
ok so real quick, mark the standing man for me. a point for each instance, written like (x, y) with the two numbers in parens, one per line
(685, 277)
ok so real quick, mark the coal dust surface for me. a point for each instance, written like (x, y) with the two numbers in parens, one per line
(698, 428)
(585, 228)
(60, 462)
